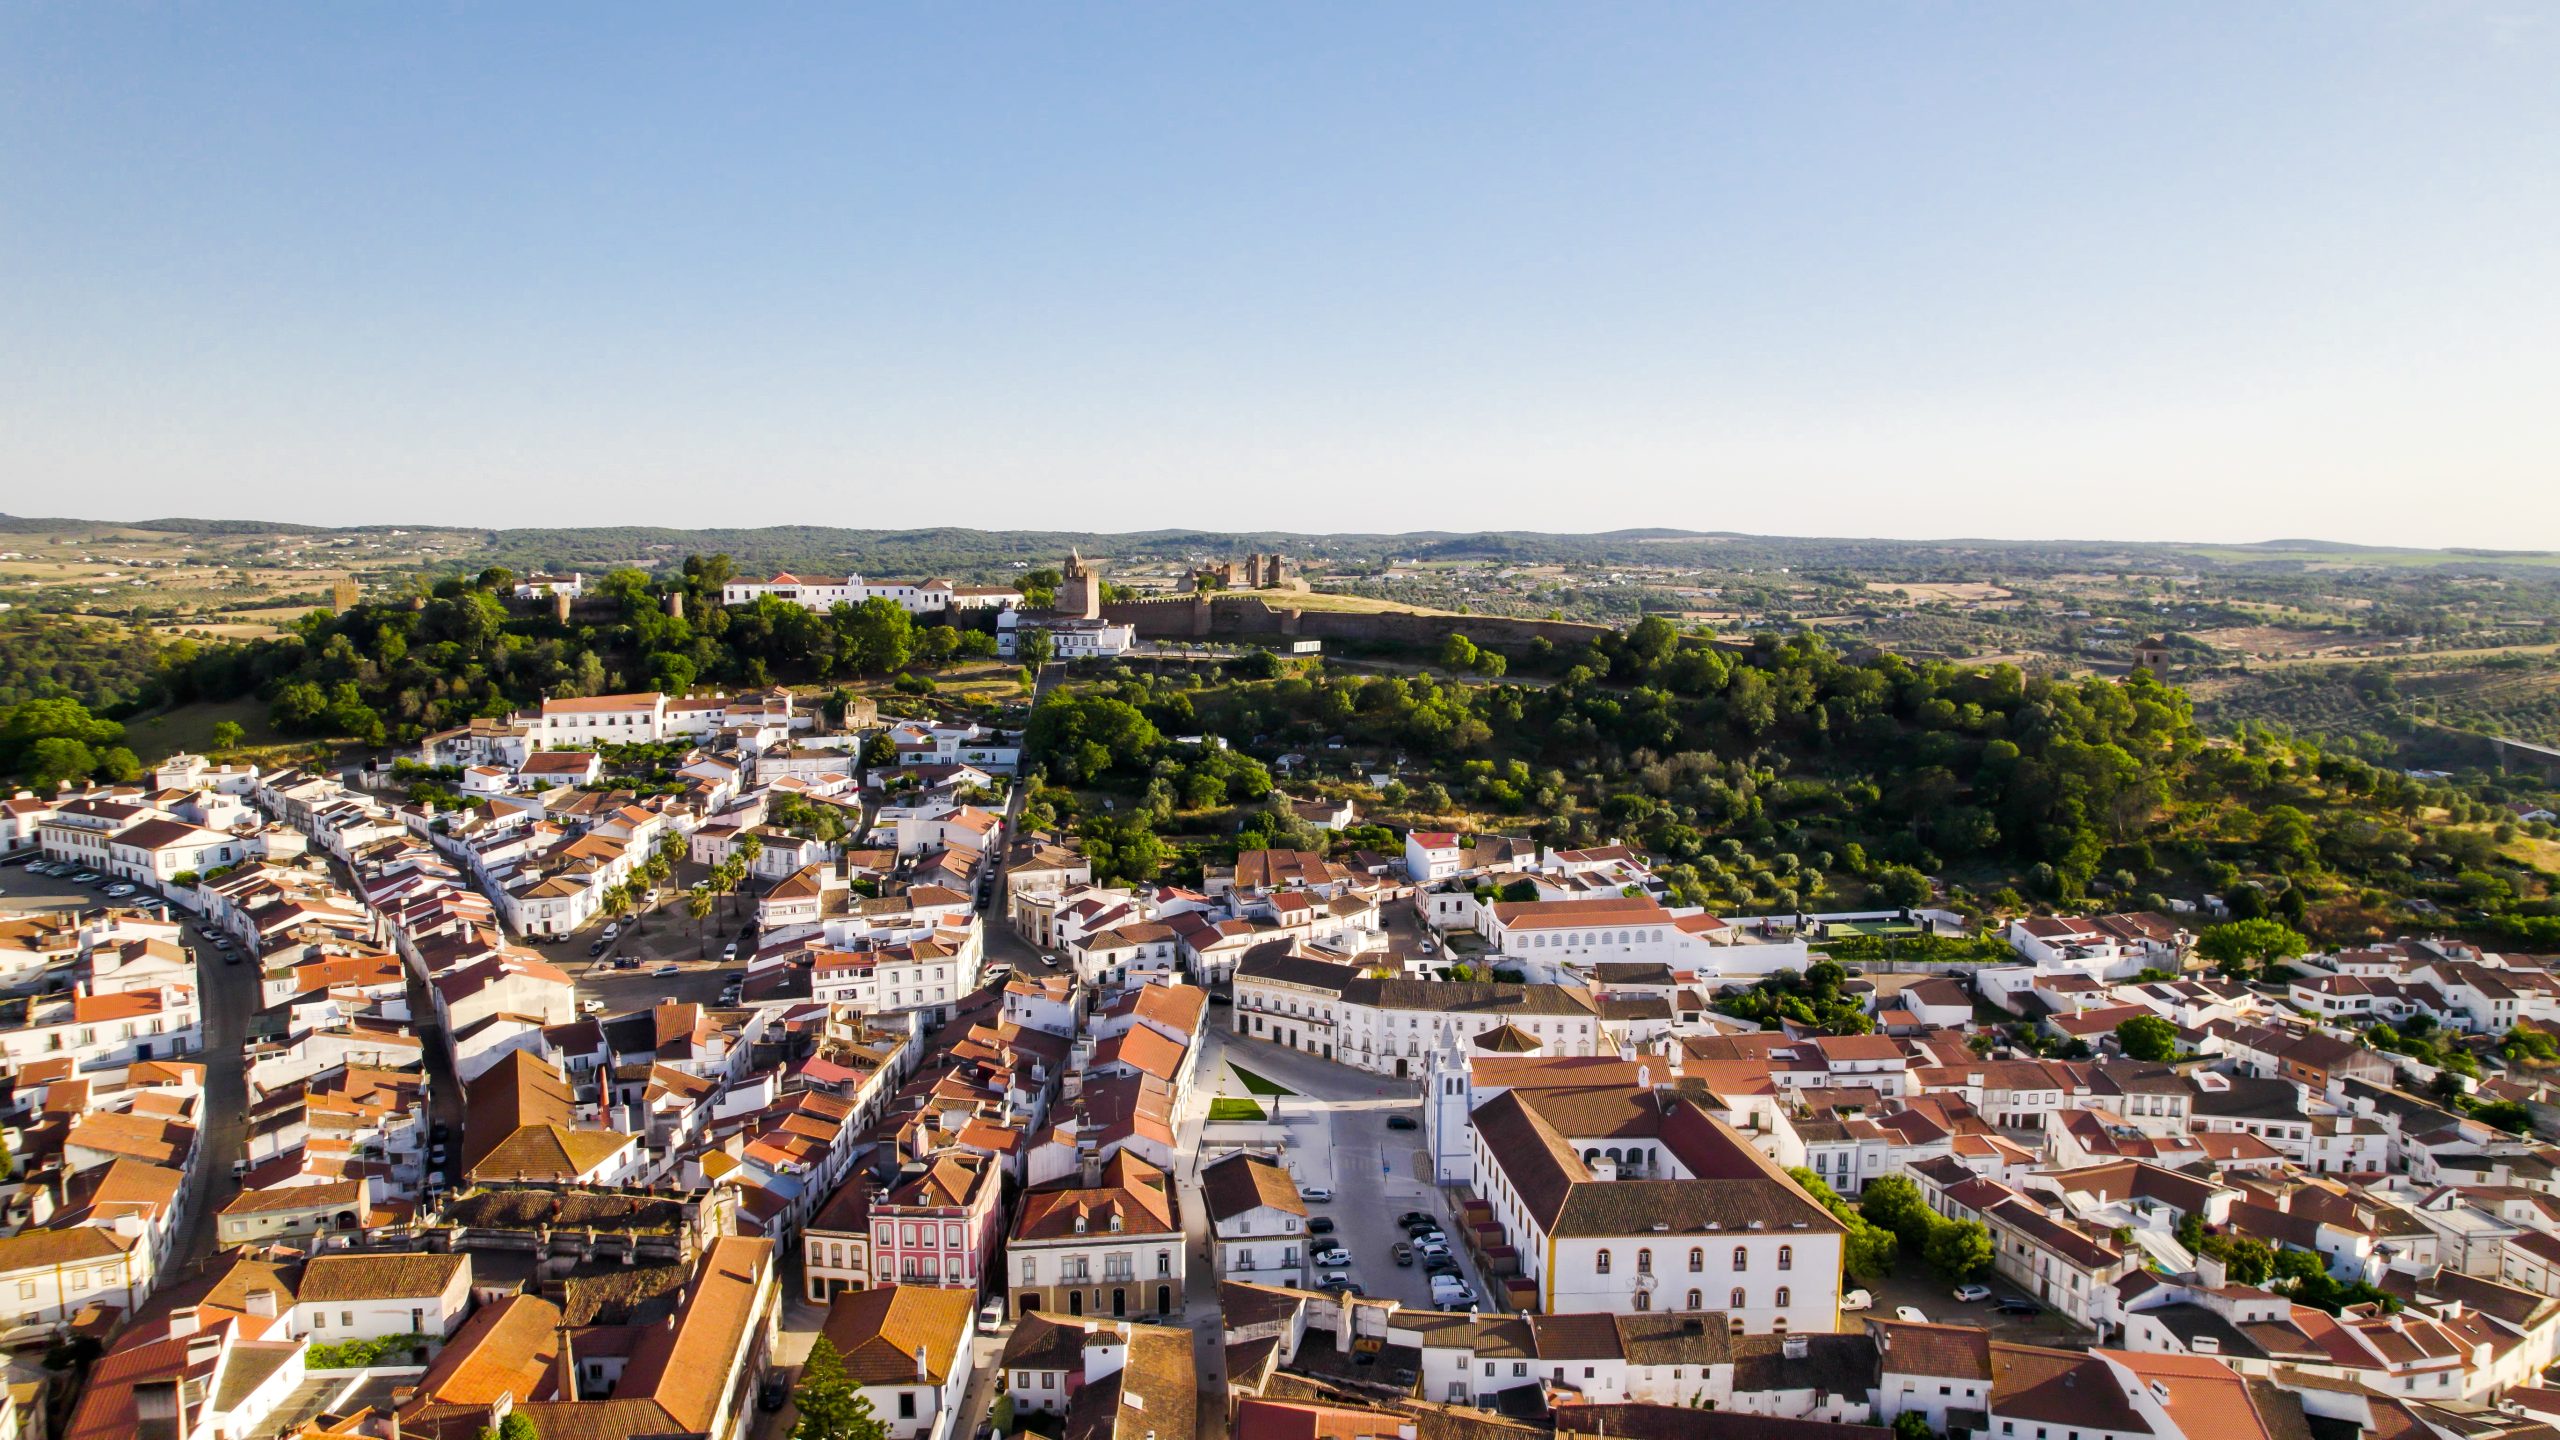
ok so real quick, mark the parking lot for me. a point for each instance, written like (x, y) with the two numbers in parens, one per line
(665, 936)
(24, 889)
(1914, 1284)
(1338, 1134)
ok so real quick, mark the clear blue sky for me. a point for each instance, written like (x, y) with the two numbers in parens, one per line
(2217, 271)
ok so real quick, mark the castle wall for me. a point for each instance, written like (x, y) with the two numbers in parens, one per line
(1248, 617)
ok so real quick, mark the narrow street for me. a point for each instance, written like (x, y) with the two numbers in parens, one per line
(229, 994)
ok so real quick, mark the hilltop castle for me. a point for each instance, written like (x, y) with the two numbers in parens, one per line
(1260, 572)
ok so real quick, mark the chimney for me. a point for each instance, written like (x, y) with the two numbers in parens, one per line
(160, 1407)
(1089, 1161)
(924, 1364)
(1342, 1324)
(262, 1303)
(182, 1322)
(565, 1381)
(1794, 1347)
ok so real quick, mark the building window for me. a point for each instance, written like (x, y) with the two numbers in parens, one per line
(1644, 1300)
(1736, 1301)
(1784, 1297)
(1697, 1260)
(1644, 1262)
(1696, 1302)
(1604, 1262)
(1741, 1258)
(1786, 1257)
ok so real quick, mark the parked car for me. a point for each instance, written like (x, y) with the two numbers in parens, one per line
(87, 877)
(1403, 1122)
(1411, 1218)
(771, 1392)
(230, 957)
(1403, 1254)
(1334, 1279)
(1321, 1225)
(591, 1006)
(736, 977)
(2014, 1305)
(1332, 1255)
(1909, 1315)
(1316, 1195)
(668, 970)
(1972, 1294)
(1857, 1300)
(597, 948)
(1442, 1265)
(729, 953)
(613, 929)
(120, 889)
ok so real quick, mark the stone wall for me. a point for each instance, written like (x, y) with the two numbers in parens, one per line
(1250, 617)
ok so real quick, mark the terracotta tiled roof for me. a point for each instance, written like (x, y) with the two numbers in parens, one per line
(880, 1331)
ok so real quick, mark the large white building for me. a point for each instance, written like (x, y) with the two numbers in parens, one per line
(926, 597)
(1633, 1201)
(1334, 1012)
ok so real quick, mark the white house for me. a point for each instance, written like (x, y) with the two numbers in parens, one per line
(1257, 1218)
(344, 1297)
(909, 1348)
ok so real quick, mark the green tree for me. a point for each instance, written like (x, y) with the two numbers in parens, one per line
(1902, 886)
(1913, 1425)
(1033, 647)
(2245, 944)
(830, 1405)
(54, 759)
(2147, 1037)
(2505, 1114)
(517, 1426)
(1893, 1202)
(226, 734)
(1957, 1249)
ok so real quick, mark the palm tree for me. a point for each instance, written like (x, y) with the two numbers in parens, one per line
(613, 901)
(699, 903)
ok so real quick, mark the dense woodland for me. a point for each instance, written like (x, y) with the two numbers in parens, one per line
(1784, 774)
(1767, 776)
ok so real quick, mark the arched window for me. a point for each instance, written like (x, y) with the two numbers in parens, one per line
(1735, 1302)
(1786, 1257)
(1741, 1258)
(1697, 1261)
(1785, 1297)
(1697, 1301)
(1644, 1300)
(1604, 1262)
(1644, 1262)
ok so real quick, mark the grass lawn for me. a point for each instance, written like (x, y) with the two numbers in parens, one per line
(190, 727)
(1234, 1110)
(1258, 1085)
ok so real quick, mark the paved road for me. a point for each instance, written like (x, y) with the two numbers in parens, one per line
(1338, 1136)
(229, 997)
